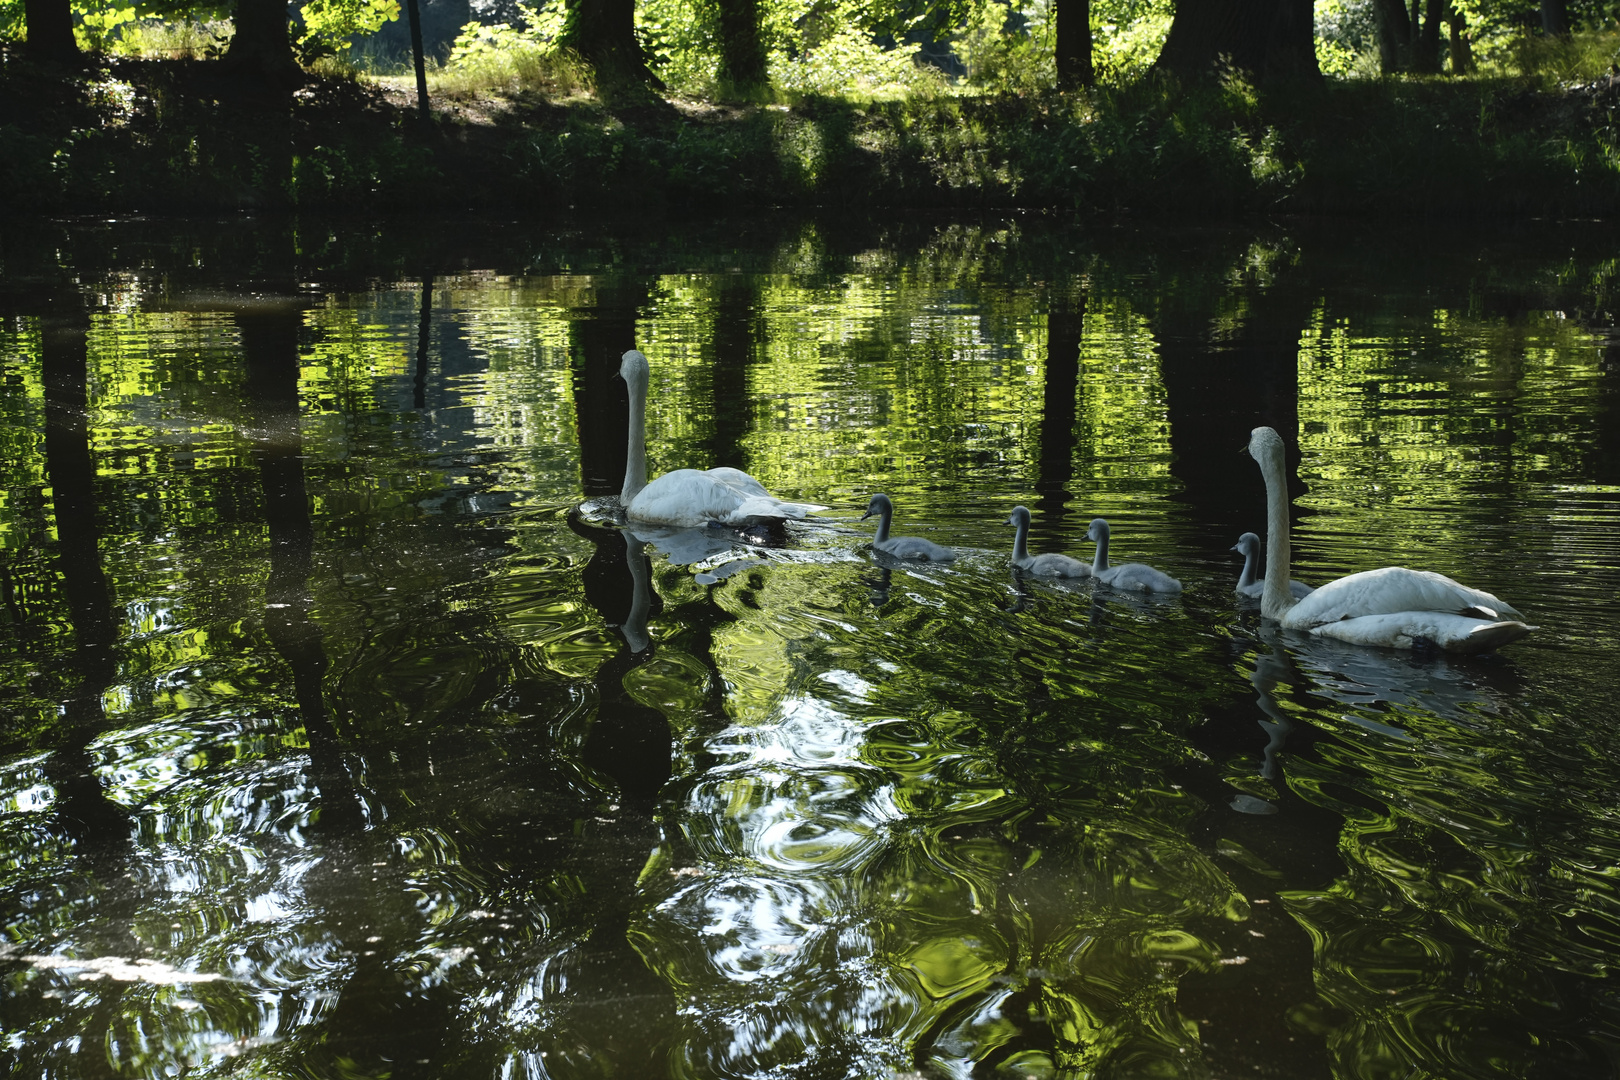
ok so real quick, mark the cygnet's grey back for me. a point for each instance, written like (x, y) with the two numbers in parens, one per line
(1135, 576)
(1140, 577)
(901, 547)
(1054, 565)
(1049, 565)
(915, 547)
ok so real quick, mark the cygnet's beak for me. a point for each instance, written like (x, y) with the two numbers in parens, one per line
(869, 513)
(1235, 548)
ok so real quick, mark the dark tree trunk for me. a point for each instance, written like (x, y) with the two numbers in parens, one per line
(424, 335)
(50, 30)
(1555, 18)
(736, 333)
(1073, 43)
(1065, 324)
(270, 348)
(597, 337)
(98, 826)
(603, 32)
(1394, 35)
(1462, 50)
(742, 54)
(413, 11)
(1272, 40)
(261, 47)
(1426, 57)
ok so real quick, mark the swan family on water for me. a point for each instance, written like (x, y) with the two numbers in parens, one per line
(1392, 607)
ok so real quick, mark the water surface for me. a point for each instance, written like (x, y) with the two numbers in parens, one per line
(338, 742)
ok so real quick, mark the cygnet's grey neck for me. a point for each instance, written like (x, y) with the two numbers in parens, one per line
(882, 534)
(1021, 540)
(1251, 557)
(1099, 562)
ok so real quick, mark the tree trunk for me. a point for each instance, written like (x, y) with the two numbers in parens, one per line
(261, 47)
(1065, 327)
(1555, 18)
(1426, 57)
(1272, 40)
(1073, 43)
(50, 30)
(742, 54)
(1394, 36)
(603, 32)
(1462, 51)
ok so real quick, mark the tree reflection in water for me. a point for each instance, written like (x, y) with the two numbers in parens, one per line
(322, 700)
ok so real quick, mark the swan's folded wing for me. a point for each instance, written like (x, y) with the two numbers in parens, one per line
(738, 481)
(765, 507)
(1404, 629)
(1391, 590)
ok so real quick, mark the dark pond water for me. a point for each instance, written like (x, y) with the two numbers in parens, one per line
(335, 742)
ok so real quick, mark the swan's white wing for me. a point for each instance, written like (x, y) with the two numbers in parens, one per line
(685, 499)
(738, 481)
(1404, 629)
(689, 499)
(1391, 590)
(756, 507)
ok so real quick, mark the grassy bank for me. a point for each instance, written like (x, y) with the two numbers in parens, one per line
(132, 136)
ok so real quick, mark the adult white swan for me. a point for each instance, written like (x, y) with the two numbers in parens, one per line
(1393, 607)
(687, 498)
(1250, 583)
(1049, 565)
(1136, 576)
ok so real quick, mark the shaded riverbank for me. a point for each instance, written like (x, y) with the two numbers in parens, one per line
(142, 136)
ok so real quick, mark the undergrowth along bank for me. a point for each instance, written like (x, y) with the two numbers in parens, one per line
(128, 136)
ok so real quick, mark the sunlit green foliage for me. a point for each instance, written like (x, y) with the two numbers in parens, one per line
(507, 57)
(329, 23)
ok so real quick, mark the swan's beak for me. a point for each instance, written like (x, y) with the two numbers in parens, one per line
(868, 514)
(1235, 548)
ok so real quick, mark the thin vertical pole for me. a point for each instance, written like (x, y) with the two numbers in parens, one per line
(413, 10)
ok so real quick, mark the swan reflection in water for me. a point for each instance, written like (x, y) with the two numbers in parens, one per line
(1364, 684)
(598, 980)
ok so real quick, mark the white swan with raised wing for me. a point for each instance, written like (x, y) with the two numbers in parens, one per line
(1393, 606)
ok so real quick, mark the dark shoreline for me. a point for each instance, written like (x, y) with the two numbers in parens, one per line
(124, 137)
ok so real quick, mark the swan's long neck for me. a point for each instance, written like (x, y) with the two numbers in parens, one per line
(883, 525)
(1099, 562)
(1276, 599)
(1021, 543)
(635, 462)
